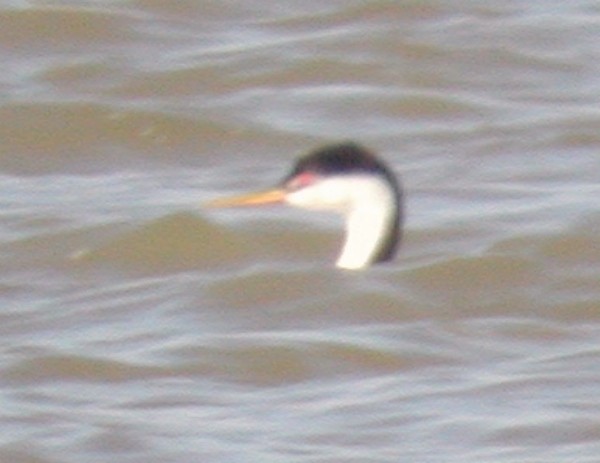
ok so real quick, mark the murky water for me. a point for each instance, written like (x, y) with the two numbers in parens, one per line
(138, 326)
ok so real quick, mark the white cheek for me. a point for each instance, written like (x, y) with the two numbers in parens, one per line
(329, 194)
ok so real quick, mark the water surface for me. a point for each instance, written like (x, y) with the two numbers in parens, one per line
(138, 326)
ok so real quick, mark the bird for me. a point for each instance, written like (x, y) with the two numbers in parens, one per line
(348, 179)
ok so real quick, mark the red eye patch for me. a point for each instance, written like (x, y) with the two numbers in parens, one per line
(301, 180)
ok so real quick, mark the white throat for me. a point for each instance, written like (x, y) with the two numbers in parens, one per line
(366, 227)
(368, 204)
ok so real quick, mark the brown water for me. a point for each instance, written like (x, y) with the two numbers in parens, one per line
(138, 327)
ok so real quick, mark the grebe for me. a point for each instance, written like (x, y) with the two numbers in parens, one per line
(347, 179)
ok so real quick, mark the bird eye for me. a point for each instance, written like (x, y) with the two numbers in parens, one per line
(302, 180)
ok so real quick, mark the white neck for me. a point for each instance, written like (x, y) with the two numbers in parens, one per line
(369, 206)
(366, 227)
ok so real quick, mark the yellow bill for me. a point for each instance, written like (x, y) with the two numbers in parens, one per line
(273, 196)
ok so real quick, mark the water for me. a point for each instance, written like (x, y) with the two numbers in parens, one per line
(139, 327)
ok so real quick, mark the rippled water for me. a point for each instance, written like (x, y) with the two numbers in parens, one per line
(139, 327)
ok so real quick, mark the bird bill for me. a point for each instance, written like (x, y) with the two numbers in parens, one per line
(273, 196)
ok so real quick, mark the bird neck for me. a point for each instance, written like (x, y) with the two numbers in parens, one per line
(372, 229)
